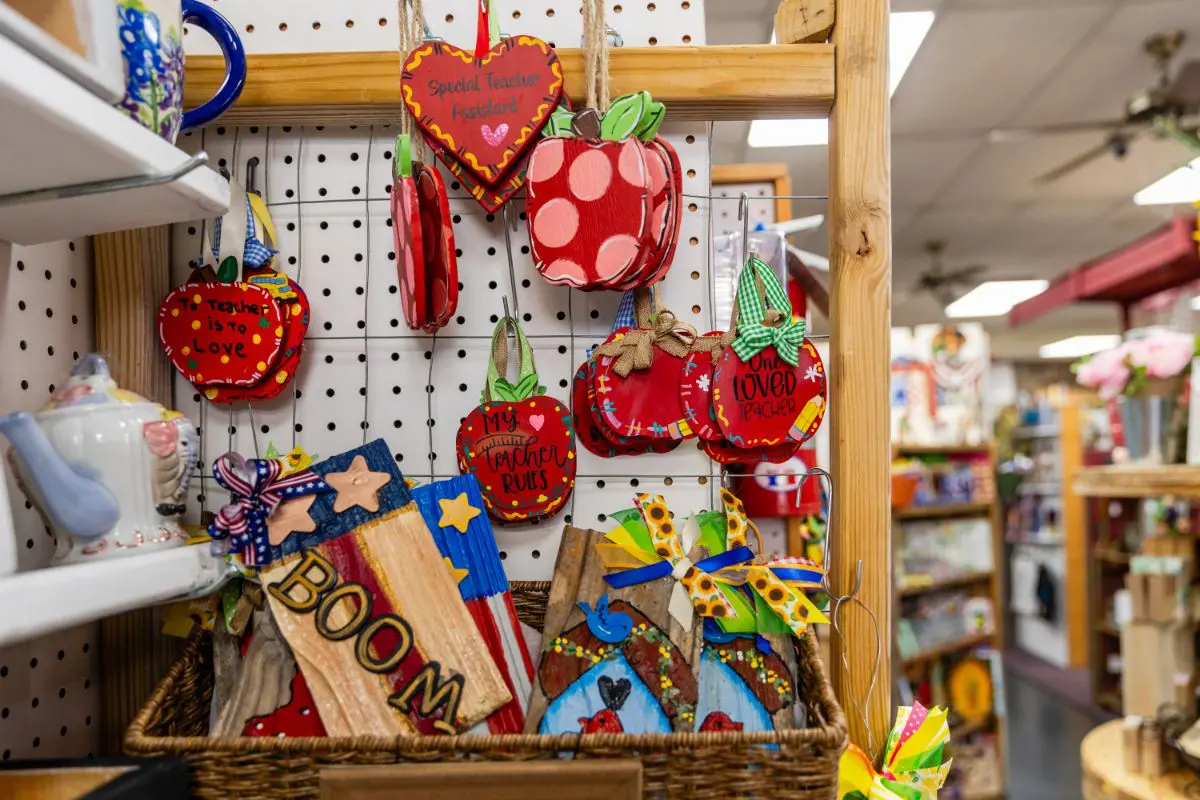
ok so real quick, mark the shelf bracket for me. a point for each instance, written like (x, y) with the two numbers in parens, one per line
(107, 185)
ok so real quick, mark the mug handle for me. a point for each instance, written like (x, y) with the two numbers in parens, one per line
(207, 19)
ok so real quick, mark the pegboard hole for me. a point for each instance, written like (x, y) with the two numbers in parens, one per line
(695, 309)
(383, 22)
(617, 9)
(282, 27)
(516, 15)
(250, 28)
(702, 480)
(503, 557)
(535, 554)
(349, 23)
(687, 39)
(650, 6)
(653, 40)
(695, 275)
(693, 241)
(600, 484)
(685, 5)
(601, 517)
(668, 481)
(549, 12)
(316, 26)
(691, 173)
(449, 18)
(693, 207)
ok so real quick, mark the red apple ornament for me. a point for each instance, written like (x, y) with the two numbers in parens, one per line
(519, 444)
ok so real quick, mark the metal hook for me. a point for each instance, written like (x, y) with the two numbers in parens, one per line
(251, 169)
(510, 322)
(512, 270)
(744, 216)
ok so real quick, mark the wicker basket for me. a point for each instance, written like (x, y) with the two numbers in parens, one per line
(802, 765)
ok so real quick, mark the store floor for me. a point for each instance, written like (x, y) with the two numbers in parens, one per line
(1044, 734)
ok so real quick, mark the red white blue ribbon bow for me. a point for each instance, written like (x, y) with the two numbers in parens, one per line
(257, 487)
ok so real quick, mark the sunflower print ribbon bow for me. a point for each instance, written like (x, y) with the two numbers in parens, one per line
(913, 767)
(780, 583)
(661, 550)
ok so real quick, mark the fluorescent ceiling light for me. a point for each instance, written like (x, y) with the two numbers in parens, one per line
(1079, 346)
(1181, 186)
(906, 32)
(994, 298)
(1196, 303)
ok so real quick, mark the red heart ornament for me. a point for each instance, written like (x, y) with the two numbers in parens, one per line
(523, 455)
(221, 333)
(296, 318)
(485, 112)
(765, 401)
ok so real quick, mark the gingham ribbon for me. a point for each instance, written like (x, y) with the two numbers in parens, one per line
(256, 487)
(752, 334)
(255, 253)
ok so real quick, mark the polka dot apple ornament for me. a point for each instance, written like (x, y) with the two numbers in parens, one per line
(769, 383)
(519, 444)
(604, 197)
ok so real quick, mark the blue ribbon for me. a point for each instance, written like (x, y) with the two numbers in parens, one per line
(798, 574)
(714, 634)
(661, 569)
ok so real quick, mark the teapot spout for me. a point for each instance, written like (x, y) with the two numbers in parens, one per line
(76, 502)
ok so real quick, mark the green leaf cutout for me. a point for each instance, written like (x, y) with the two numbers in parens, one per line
(228, 271)
(624, 116)
(559, 123)
(526, 386)
(651, 121)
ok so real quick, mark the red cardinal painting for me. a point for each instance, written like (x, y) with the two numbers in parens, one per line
(613, 694)
(719, 721)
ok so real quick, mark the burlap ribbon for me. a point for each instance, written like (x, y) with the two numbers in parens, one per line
(635, 349)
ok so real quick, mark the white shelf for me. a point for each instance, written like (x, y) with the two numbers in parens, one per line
(51, 599)
(55, 133)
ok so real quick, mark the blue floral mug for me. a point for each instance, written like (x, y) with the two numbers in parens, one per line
(151, 34)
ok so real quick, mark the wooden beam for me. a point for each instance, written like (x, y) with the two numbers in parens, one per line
(1076, 546)
(737, 82)
(804, 21)
(133, 269)
(860, 243)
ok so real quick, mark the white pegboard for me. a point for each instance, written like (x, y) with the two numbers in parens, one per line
(319, 26)
(328, 192)
(49, 697)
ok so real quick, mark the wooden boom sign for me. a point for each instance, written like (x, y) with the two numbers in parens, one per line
(383, 645)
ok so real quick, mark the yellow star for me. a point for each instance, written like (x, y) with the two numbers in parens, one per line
(357, 486)
(290, 516)
(460, 575)
(457, 513)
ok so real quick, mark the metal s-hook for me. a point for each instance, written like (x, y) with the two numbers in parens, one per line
(506, 220)
(827, 480)
(510, 322)
(251, 173)
(744, 217)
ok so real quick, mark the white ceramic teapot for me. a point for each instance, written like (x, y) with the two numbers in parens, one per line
(107, 468)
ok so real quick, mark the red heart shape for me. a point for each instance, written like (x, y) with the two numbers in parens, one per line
(765, 401)
(227, 333)
(462, 102)
(297, 313)
(524, 473)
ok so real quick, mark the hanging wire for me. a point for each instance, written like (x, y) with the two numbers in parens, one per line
(299, 271)
(366, 337)
(863, 707)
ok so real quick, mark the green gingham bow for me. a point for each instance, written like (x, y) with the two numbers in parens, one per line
(752, 334)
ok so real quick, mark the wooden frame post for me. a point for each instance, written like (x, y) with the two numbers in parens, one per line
(860, 243)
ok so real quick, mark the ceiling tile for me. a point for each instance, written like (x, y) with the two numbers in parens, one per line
(976, 67)
(920, 169)
(1109, 67)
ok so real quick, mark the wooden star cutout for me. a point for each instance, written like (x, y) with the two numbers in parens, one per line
(357, 486)
(457, 513)
(460, 575)
(290, 516)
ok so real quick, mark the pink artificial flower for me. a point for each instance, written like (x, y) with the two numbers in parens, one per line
(1163, 354)
(1106, 371)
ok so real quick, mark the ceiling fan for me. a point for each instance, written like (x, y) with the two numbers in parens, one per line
(1168, 109)
(945, 285)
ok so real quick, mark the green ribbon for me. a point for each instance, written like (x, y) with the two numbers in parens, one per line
(752, 333)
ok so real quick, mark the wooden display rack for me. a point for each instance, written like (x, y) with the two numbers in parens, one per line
(1105, 778)
(1109, 566)
(709, 83)
(976, 584)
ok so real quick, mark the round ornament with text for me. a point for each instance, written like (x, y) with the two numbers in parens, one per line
(765, 401)
(221, 333)
(644, 401)
(519, 444)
